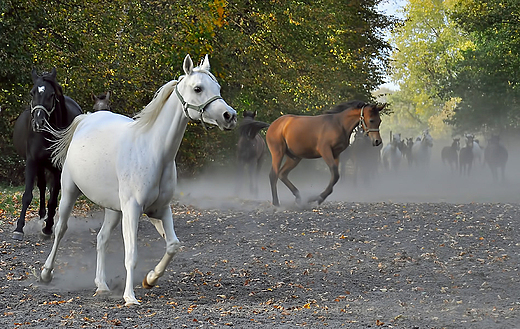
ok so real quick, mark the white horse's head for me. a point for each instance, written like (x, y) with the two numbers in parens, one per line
(199, 93)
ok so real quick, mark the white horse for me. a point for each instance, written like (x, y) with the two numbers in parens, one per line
(422, 150)
(391, 155)
(478, 152)
(128, 167)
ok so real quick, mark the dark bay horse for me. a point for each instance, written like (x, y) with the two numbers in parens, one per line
(496, 157)
(298, 137)
(364, 157)
(466, 157)
(251, 150)
(101, 102)
(49, 109)
(450, 154)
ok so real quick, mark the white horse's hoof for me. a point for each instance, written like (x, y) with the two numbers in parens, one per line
(132, 302)
(46, 276)
(18, 236)
(148, 282)
(102, 292)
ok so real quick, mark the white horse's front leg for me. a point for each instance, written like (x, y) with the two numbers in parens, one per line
(172, 247)
(131, 214)
(112, 218)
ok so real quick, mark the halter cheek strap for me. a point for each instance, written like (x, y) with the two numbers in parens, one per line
(199, 108)
(363, 124)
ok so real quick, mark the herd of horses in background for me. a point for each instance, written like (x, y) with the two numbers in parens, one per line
(362, 159)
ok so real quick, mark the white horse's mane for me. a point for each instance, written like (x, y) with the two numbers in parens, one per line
(150, 113)
(143, 120)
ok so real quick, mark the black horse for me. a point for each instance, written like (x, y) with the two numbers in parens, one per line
(496, 157)
(251, 150)
(49, 110)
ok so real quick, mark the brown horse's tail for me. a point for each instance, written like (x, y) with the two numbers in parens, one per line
(63, 138)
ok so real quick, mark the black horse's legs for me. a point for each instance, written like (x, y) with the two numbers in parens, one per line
(30, 174)
(53, 203)
(239, 177)
(257, 175)
(252, 178)
(289, 165)
(42, 185)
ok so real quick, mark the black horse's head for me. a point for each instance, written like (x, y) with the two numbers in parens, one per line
(47, 100)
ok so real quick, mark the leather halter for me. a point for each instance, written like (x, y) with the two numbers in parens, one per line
(43, 108)
(199, 108)
(363, 124)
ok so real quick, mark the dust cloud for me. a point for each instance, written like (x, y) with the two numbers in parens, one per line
(220, 188)
(216, 187)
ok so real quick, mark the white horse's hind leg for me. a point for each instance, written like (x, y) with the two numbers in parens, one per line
(112, 218)
(69, 195)
(158, 226)
(172, 247)
(131, 214)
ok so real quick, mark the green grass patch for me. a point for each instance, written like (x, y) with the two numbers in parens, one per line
(11, 204)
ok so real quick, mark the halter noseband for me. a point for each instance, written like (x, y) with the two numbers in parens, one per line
(199, 108)
(43, 108)
(363, 124)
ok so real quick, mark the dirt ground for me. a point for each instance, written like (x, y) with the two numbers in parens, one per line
(404, 251)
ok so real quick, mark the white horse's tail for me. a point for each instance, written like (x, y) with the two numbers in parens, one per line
(63, 138)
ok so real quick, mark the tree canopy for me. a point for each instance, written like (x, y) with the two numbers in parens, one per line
(276, 57)
(457, 64)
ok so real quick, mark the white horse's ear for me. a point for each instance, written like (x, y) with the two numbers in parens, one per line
(108, 94)
(205, 63)
(187, 65)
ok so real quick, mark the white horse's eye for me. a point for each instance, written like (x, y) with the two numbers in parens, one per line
(197, 89)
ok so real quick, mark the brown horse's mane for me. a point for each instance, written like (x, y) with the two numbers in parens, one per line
(346, 106)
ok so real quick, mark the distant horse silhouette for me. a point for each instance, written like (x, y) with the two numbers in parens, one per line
(406, 149)
(391, 155)
(101, 102)
(478, 152)
(364, 157)
(466, 157)
(251, 150)
(49, 110)
(422, 150)
(450, 154)
(298, 137)
(496, 157)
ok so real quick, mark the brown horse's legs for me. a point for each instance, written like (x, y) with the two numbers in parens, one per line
(289, 165)
(334, 177)
(277, 156)
(273, 179)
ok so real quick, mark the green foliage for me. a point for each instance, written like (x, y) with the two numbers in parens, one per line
(490, 67)
(457, 63)
(276, 56)
(428, 46)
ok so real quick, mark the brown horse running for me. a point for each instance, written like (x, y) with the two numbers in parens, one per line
(311, 137)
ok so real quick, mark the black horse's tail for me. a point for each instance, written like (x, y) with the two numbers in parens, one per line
(249, 128)
(63, 138)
